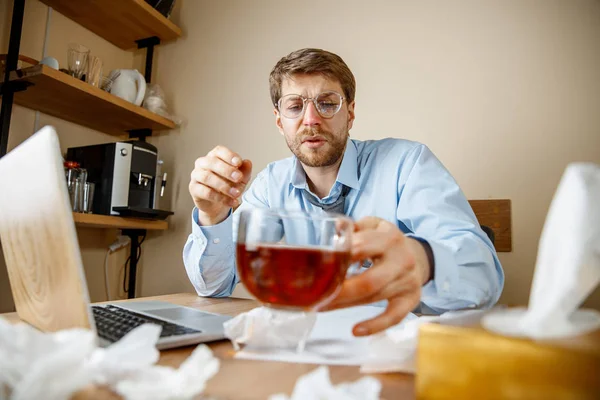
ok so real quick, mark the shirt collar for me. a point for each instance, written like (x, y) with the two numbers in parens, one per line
(347, 174)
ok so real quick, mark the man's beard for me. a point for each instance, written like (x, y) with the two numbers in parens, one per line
(324, 156)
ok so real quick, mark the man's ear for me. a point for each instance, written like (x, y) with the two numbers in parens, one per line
(351, 114)
(278, 121)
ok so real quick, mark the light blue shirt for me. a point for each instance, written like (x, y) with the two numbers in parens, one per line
(397, 180)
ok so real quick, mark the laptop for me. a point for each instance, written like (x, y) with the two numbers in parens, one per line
(44, 263)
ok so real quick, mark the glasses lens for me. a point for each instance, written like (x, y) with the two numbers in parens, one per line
(291, 106)
(329, 103)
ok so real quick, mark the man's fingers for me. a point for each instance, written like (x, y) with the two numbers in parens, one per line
(203, 192)
(212, 180)
(373, 244)
(395, 312)
(399, 286)
(221, 168)
(246, 170)
(367, 223)
(374, 223)
(227, 155)
(357, 289)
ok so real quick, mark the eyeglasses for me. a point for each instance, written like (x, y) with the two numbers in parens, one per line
(327, 104)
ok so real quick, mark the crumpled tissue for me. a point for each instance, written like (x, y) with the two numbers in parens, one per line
(394, 350)
(567, 268)
(35, 365)
(264, 327)
(316, 385)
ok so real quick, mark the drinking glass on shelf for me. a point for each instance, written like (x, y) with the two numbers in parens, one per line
(88, 197)
(76, 179)
(77, 58)
(94, 71)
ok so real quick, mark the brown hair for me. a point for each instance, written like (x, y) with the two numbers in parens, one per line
(312, 61)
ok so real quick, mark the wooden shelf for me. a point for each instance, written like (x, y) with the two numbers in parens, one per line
(121, 22)
(109, 221)
(58, 94)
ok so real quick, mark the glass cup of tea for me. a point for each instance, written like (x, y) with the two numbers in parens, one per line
(293, 260)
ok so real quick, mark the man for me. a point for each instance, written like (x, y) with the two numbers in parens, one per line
(413, 221)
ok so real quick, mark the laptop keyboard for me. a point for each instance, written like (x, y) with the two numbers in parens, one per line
(112, 323)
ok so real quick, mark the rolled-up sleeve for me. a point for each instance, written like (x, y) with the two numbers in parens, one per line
(432, 206)
(209, 252)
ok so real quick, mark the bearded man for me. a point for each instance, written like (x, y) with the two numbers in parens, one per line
(426, 251)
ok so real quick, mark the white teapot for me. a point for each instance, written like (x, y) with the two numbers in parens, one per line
(124, 85)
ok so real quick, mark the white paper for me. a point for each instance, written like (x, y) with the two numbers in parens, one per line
(568, 264)
(331, 341)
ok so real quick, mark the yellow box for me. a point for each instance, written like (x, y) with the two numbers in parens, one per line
(469, 362)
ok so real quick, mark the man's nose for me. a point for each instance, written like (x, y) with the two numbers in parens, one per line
(311, 115)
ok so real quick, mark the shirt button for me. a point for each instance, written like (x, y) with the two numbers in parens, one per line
(446, 286)
(216, 241)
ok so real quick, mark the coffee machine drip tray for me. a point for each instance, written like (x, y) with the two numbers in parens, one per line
(141, 212)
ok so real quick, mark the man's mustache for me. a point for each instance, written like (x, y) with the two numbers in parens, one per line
(308, 132)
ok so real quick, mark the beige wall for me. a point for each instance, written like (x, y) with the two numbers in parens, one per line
(506, 93)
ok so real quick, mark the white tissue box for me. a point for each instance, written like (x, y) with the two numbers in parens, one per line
(469, 362)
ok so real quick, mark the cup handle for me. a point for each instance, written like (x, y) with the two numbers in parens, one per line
(141, 82)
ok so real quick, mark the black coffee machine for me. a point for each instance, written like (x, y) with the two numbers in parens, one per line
(125, 178)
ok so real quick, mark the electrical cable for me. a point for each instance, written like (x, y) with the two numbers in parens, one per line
(127, 262)
(118, 244)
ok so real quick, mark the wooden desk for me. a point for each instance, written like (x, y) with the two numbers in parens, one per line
(248, 379)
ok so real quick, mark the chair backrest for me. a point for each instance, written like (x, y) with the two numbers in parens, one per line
(495, 218)
(490, 233)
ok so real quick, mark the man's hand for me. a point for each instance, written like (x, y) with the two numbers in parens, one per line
(217, 182)
(400, 267)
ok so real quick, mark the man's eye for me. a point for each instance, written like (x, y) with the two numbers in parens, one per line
(327, 105)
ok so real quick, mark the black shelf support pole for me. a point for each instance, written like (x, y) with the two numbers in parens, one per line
(12, 58)
(147, 44)
(134, 235)
(140, 134)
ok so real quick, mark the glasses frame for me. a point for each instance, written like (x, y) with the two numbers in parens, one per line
(314, 101)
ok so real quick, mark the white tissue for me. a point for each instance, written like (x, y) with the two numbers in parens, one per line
(264, 327)
(52, 366)
(38, 366)
(394, 350)
(316, 385)
(568, 264)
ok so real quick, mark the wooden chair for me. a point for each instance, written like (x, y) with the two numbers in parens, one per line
(495, 219)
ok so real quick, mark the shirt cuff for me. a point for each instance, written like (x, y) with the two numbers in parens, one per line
(446, 291)
(445, 276)
(215, 238)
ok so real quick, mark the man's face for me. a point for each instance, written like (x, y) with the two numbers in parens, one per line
(314, 140)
